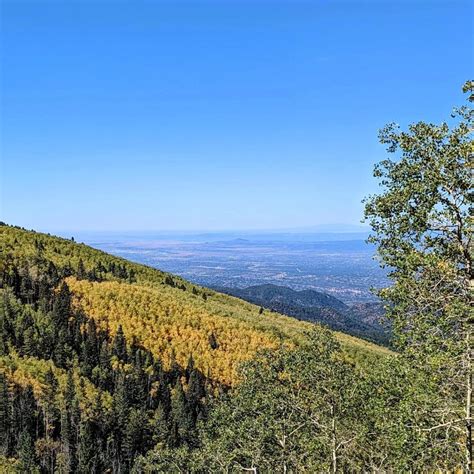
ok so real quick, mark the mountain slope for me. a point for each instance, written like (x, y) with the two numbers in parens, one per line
(275, 293)
(102, 359)
(168, 315)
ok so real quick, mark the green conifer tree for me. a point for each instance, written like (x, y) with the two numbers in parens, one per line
(26, 455)
(5, 421)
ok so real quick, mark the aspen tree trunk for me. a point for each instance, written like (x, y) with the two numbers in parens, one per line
(334, 441)
(469, 406)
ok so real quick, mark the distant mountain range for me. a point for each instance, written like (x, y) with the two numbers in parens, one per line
(361, 320)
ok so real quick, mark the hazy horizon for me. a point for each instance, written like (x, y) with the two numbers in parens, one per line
(316, 229)
(214, 115)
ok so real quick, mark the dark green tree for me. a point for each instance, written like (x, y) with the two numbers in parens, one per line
(136, 436)
(87, 449)
(62, 305)
(26, 454)
(181, 417)
(5, 413)
(160, 426)
(196, 393)
(120, 346)
(81, 271)
(70, 425)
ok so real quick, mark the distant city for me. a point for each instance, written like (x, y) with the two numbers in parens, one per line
(339, 264)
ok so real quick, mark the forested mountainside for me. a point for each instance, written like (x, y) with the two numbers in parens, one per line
(362, 320)
(102, 359)
(166, 314)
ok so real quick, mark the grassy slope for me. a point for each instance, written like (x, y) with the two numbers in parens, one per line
(168, 319)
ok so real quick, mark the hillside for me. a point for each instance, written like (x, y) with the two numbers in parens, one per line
(275, 293)
(166, 313)
(102, 359)
(361, 320)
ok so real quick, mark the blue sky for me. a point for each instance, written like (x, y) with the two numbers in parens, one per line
(214, 115)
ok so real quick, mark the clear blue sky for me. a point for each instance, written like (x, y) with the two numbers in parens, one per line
(214, 115)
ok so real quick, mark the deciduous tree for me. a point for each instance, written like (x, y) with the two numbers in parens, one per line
(423, 230)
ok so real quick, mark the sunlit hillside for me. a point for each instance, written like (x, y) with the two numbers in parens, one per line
(167, 315)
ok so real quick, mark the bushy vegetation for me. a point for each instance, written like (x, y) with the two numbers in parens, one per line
(172, 328)
(310, 410)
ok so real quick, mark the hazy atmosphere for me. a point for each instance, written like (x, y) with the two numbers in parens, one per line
(121, 115)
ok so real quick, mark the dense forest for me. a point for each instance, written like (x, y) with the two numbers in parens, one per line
(74, 398)
(102, 360)
(110, 366)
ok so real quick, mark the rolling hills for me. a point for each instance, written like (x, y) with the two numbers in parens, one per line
(360, 320)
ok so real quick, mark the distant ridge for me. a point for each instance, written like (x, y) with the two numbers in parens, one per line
(361, 320)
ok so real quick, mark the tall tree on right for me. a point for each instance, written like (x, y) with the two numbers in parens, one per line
(422, 226)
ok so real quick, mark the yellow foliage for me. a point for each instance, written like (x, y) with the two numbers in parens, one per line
(25, 371)
(167, 319)
(166, 325)
(8, 465)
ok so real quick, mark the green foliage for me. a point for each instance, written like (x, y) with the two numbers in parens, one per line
(423, 228)
(73, 397)
(310, 410)
(26, 454)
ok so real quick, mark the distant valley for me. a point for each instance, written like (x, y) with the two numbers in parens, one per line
(340, 265)
(318, 277)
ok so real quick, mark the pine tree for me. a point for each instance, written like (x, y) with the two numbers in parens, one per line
(27, 411)
(102, 374)
(195, 395)
(189, 367)
(120, 411)
(135, 436)
(90, 347)
(137, 383)
(81, 271)
(5, 421)
(160, 425)
(69, 425)
(26, 454)
(87, 449)
(175, 370)
(213, 341)
(164, 395)
(62, 305)
(51, 413)
(120, 347)
(29, 341)
(174, 440)
(180, 413)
